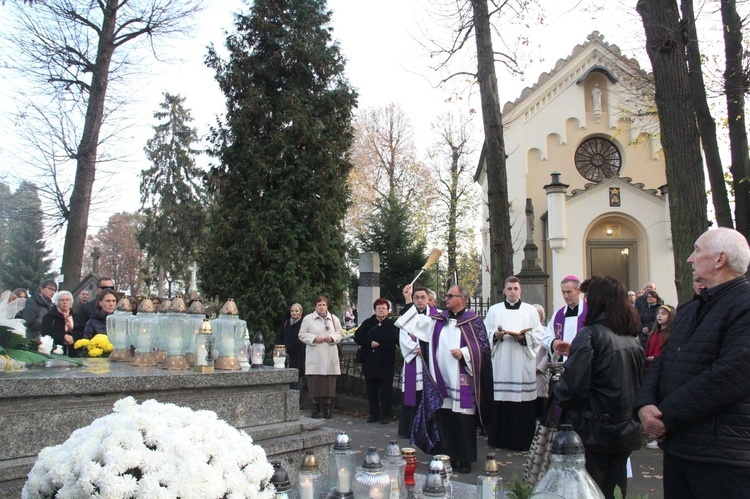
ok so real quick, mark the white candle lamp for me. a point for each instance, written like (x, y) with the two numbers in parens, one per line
(229, 330)
(395, 465)
(195, 316)
(258, 351)
(204, 348)
(117, 332)
(172, 332)
(279, 357)
(143, 328)
(163, 318)
(371, 480)
(280, 481)
(489, 482)
(342, 467)
(310, 479)
(243, 354)
(434, 486)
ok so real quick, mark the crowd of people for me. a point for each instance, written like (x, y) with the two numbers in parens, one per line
(55, 313)
(633, 366)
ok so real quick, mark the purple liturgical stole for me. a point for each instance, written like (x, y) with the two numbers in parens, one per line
(410, 375)
(559, 322)
(465, 391)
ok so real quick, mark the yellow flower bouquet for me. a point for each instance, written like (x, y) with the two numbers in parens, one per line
(98, 346)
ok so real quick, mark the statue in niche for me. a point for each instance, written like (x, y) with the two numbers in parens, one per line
(596, 97)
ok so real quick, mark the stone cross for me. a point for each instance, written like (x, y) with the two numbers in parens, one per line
(95, 255)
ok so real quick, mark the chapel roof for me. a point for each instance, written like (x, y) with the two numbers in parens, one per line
(593, 40)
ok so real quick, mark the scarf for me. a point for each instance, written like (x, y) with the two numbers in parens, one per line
(68, 320)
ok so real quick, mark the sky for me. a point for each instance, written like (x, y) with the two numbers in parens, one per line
(384, 44)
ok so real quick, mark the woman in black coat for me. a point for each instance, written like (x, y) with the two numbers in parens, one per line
(97, 323)
(600, 382)
(377, 338)
(288, 335)
(58, 323)
(648, 316)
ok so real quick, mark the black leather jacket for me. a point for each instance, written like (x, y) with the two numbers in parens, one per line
(597, 388)
(378, 363)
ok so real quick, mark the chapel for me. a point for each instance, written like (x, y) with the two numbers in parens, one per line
(586, 176)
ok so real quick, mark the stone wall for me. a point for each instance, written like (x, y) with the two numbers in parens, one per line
(41, 407)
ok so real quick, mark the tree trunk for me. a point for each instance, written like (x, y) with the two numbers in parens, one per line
(679, 134)
(80, 198)
(501, 245)
(735, 86)
(706, 123)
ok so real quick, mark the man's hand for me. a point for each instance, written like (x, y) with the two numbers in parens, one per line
(650, 417)
(521, 338)
(457, 354)
(499, 333)
(374, 344)
(561, 347)
(407, 293)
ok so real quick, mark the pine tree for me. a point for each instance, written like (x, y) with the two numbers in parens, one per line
(26, 263)
(172, 206)
(280, 194)
(401, 256)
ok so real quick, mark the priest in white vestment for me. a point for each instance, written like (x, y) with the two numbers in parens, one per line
(515, 334)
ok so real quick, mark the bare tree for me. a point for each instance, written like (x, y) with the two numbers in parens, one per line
(456, 200)
(72, 49)
(385, 161)
(736, 86)
(706, 123)
(679, 134)
(121, 257)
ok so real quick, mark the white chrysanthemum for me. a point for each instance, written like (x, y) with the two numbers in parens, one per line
(152, 450)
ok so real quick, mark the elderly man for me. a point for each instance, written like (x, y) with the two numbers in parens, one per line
(411, 348)
(516, 335)
(568, 320)
(83, 297)
(459, 362)
(37, 306)
(695, 399)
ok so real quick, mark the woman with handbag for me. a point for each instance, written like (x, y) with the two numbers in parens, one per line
(600, 381)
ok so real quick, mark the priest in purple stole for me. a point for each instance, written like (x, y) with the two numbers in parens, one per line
(568, 320)
(459, 363)
(411, 350)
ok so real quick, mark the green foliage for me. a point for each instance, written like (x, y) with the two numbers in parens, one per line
(279, 191)
(390, 234)
(21, 349)
(518, 489)
(25, 261)
(619, 495)
(172, 204)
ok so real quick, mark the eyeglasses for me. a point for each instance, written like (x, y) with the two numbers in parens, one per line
(51, 288)
(106, 287)
(448, 296)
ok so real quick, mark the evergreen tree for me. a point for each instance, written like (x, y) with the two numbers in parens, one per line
(172, 207)
(401, 256)
(280, 193)
(5, 204)
(26, 263)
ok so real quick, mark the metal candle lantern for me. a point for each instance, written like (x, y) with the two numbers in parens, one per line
(258, 351)
(567, 475)
(204, 348)
(279, 356)
(195, 316)
(434, 486)
(143, 331)
(446, 472)
(341, 468)
(117, 332)
(172, 332)
(310, 478)
(489, 482)
(163, 317)
(229, 330)
(395, 465)
(280, 481)
(371, 480)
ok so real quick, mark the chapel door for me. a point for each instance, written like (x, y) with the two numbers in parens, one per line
(614, 258)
